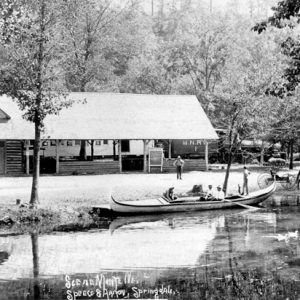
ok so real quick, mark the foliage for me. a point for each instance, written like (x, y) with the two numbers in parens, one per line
(240, 101)
(30, 59)
(101, 38)
(286, 17)
(30, 65)
(201, 52)
(286, 14)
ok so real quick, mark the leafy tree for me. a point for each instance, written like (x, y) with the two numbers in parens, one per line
(287, 17)
(81, 24)
(200, 52)
(240, 100)
(101, 37)
(147, 74)
(30, 65)
(187, 59)
(285, 129)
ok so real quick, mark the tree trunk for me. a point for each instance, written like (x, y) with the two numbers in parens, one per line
(227, 172)
(232, 141)
(262, 152)
(35, 256)
(291, 154)
(152, 8)
(34, 199)
(82, 153)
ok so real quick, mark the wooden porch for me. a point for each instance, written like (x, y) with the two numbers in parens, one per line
(112, 167)
(18, 161)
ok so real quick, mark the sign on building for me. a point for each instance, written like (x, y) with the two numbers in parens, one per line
(156, 156)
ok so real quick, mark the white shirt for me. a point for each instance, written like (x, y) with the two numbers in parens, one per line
(219, 195)
(209, 193)
(246, 174)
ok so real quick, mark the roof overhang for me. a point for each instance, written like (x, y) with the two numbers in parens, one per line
(116, 116)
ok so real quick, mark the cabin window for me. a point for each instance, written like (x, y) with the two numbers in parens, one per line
(53, 143)
(105, 142)
(77, 143)
(125, 146)
(62, 143)
(69, 143)
(45, 143)
(98, 142)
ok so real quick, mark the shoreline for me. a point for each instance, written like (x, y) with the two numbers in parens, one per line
(66, 201)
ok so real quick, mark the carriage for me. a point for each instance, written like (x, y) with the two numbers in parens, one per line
(288, 180)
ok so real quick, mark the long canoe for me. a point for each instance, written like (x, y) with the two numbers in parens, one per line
(162, 205)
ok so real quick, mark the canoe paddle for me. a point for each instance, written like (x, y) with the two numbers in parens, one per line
(243, 205)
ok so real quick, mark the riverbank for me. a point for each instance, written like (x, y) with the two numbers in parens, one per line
(66, 201)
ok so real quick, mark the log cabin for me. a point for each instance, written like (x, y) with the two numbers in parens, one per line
(118, 131)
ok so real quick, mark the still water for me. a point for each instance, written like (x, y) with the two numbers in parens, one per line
(236, 254)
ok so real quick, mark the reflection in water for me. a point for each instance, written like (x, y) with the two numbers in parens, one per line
(232, 254)
(284, 200)
(35, 259)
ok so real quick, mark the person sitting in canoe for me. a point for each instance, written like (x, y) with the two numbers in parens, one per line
(218, 195)
(209, 194)
(169, 194)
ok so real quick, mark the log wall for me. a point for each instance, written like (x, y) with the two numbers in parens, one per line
(14, 158)
(88, 167)
(112, 167)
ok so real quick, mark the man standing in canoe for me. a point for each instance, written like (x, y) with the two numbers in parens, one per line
(179, 163)
(246, 174)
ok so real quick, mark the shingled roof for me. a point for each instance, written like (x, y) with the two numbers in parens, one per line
(116, 116)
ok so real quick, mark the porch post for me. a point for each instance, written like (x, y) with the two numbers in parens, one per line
(206, 155)
(120, 155)
(145, 156)
(114, 149)
(170, 149)
(92, 150)
(57, 157)
(27, 156)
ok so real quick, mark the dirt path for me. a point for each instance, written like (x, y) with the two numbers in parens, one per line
(96, 189)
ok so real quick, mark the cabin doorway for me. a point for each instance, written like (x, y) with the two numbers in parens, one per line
(2, 157)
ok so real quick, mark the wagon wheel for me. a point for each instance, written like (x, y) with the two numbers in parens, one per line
(264, 180)
(289, 181)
